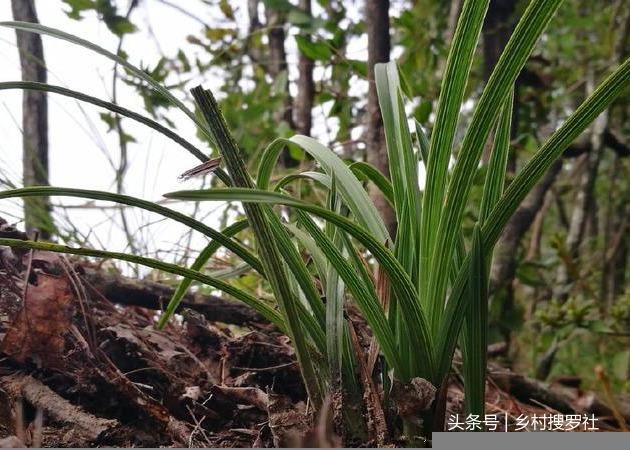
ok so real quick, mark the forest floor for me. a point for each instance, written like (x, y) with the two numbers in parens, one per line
(82, 365)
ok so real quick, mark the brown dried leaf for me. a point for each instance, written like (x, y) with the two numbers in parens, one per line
(38, 331)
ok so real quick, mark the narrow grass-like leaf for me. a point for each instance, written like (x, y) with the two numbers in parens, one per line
(594, 105)
(258, 305)
(365, 297)
(319, 177)
(266, 238)
(403, 166)
(319, 259)
(35, 86)
(516, 192)
(423, 143)
(497, 166)
(454, 82)
(44, 30)
(400, 282)
(321, 263)
(366, 170)
(226, 273)
(197, 265)
(529, 28)
(403, 163)
(335, 292)
(476, 336)
(350, 188)
(316, 318)
(52, 191)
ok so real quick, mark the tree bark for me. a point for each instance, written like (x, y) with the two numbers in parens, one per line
(584, 198)
(34, 121)
(278, 67)
(379, 46)
(504, 261)
(303, 106)
(146, 294)
(496, 31)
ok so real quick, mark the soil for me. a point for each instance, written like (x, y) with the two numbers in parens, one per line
(81, 364)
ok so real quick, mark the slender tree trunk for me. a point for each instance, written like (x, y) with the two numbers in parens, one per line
(584, 197)
(379, 46)
(533, 251)
(496, 31)
(495, 34)
(278, 67)
(504, 261)
(303, 105)
(34, 121)
(620, 258)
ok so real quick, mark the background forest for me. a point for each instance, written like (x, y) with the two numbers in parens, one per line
(559, 293)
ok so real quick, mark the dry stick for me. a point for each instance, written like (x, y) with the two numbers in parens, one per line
(20, 430)
(38, 425)
(198, 428)
(376, 416)
(27, 274)
(79, 291)
(56, 407)
(383, 291)
(612, 403)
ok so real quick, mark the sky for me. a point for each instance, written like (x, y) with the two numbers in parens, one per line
(79, 143)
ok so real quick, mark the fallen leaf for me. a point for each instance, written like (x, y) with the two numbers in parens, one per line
(38, 331)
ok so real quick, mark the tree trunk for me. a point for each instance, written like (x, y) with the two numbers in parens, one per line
(34, 121)
(584, 198)
(278, 67)
(379, 45)
(303, 105)
(503, 268)
(496, 31)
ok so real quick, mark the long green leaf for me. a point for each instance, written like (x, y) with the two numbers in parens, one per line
(475, 327)
(497, 167)
(399, 280)
(533, 22)
(35, 86)
(454, 82)
(266, 235)
(423, 143)
(403, 163)
(403, 167)
(319, 259)
(44, 30)
(367, 170)
(335, 288)
(365, 297)
(516, 192)
(197, 265)
(594, 105)
(51, 191)
(258, 305)
(476, 336)
(319, 177)
(316, 317)
(350, 188)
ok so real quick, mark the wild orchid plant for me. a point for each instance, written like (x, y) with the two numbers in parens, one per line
(436, 281)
